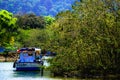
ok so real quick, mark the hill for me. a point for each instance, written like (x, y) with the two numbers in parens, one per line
(38, 7)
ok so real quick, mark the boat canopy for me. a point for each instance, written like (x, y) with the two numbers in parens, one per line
(28, 54)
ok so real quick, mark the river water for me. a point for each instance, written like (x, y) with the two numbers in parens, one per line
(7, 72)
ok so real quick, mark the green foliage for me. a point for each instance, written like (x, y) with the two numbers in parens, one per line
(9, 47)
(49, 20)
(32, 37)
(8, 26)
(86, 40)
(30, 21)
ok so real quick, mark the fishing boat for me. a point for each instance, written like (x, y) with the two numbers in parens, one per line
(29, 60)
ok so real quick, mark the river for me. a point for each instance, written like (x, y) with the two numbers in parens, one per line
(7, 72)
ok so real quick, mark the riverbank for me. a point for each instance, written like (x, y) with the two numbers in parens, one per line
(10, 57)
(103, 77)
(93, 77)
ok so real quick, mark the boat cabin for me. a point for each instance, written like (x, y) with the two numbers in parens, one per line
(29, 55)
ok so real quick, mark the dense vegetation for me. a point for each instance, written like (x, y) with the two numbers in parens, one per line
(30, 21)
(38, 7)
(7, 28)
(86, 39)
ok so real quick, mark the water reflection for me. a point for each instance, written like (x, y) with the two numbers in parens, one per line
(27, 74)
(9, 73)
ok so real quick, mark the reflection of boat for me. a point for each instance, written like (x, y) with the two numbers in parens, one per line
(28, 60)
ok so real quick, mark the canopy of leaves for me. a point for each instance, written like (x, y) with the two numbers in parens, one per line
(49, 20)
(30, 21)
(32, 37)
(87, 40)
(7, 26)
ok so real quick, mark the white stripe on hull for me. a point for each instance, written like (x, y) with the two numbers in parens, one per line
(22, 65)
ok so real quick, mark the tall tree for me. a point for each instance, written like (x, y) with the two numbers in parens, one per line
(86, 39)
(8, 26)
(31, 21)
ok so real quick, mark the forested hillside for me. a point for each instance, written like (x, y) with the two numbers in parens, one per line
(38, 7)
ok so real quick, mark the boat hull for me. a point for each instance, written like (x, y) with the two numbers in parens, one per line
(27, 69)
(28, 66)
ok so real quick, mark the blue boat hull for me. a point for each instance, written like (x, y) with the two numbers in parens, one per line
(28, 66)
(28, 69)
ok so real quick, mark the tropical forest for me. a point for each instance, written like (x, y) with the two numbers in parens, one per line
(84, 34)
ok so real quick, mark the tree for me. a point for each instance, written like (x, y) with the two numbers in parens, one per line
(8, 26)
(32, 37)
(86, 40)
(31, 21)
(49, 20)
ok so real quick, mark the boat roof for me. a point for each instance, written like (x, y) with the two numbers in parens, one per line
(29, 49)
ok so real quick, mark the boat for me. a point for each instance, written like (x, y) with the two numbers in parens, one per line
(29, 59)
